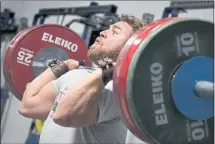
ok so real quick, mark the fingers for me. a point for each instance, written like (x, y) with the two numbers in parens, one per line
(107, 71)
(101, 62)
(106, 61)
(72, 64)
(114, 64)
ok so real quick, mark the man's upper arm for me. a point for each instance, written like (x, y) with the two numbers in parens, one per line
(39, 106)
(107, 107)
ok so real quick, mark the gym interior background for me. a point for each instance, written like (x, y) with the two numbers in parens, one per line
(14, 127)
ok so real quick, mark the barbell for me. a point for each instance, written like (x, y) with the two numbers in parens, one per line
(162, 81)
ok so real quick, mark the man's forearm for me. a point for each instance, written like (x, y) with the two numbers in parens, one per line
(78, 107)
(36, 85)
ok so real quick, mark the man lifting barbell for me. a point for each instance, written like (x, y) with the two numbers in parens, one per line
(84, 110)
(161, 89)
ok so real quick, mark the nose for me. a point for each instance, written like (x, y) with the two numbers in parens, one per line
(103, 33)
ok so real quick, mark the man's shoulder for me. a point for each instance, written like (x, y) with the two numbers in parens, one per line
(81, 71)
(88, 69)
(74, 75)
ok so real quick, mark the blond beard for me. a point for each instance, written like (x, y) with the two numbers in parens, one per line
(100, 57)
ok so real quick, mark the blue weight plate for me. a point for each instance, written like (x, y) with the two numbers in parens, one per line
(183, 88)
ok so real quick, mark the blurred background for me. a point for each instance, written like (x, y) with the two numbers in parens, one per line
(87, 18)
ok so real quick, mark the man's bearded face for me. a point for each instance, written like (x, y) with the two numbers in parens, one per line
(108, 45)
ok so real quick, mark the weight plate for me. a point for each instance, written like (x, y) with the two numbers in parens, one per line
(41, 43)
(148, 91)
(11, 48)
(6, 69)
(183, 84)
(121, 103)
(120, 73)
(5, 65)
(8, 58)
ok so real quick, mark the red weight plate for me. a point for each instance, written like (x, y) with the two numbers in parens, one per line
(128, 121)
(11, 48)
(8, 54)
(39, 45)
(128, 57)
(6, 58)
(121, 70)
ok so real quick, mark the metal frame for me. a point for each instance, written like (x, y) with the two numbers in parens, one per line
(177, 7)
(79, 11)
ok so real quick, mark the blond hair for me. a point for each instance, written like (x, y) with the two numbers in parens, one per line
(133, 21)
